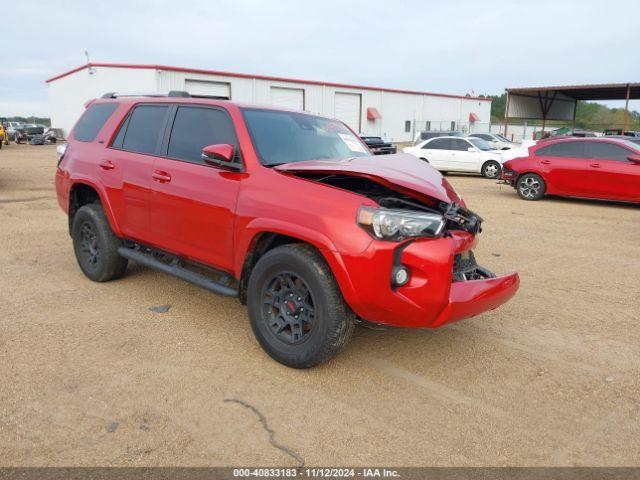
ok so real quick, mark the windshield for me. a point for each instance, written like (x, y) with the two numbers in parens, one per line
(284, 137)
(481, 144)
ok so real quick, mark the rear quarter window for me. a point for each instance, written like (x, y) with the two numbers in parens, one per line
(92, 120)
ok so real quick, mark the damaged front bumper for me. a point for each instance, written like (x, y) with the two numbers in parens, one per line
(445, 283)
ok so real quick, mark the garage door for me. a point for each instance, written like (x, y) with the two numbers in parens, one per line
(211, 89)
(288, 97)
(347, 109)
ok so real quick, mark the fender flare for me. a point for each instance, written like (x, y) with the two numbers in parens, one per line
(103, 200)
(248, 235)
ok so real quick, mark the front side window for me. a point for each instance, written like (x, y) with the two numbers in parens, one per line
(197, 127)
(608, 151)
(284, 137)
(459, 145)
(92, 121)
(565, 149)
(143, 129)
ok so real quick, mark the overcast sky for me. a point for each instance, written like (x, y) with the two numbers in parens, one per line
(440, 46)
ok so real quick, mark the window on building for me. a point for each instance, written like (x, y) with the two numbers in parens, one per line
(407, 126)
(196, 127)
(92, 121)
(143, 129)
(453, 126)
(607, 151)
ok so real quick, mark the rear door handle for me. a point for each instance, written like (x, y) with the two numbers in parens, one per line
(545, 162)
(160, 176)
(594, 165)
(107, 165)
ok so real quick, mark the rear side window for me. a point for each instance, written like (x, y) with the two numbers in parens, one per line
(608, 151)
(143, 129)
(439, 144)
(92, 121)
(196, 127)
(566, 149)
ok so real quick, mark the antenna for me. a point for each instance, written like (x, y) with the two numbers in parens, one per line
(90, 70)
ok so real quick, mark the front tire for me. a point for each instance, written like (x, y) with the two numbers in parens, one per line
(531, 186)
(491, 169)
(95, 244)
(296, 309)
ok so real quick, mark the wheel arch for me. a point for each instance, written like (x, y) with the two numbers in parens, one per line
(83, 192)
(261, 236)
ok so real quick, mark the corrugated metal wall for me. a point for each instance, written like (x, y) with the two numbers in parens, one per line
(68, 95)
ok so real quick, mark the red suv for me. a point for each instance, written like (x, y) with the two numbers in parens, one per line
(288, 211)
(601, 168)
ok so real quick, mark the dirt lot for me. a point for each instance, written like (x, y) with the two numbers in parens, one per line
(91, 376)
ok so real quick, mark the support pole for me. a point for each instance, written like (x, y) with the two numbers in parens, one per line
(575, 109)
(506, 114)
(626, 109)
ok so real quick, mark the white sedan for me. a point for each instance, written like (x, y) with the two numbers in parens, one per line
(456, 154)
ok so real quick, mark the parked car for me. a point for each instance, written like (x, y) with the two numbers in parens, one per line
(28, 130)
(428, 134)
(4, 135)
(619, 132)
(456, 154)
(285, 210)
(11, 129)
(497, 141)
(603, 168)
(379, 146)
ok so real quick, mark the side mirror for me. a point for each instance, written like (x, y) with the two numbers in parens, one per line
(221, 155)
(471, 149)
(634, 158)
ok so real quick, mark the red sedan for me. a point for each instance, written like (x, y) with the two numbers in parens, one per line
(599, 168)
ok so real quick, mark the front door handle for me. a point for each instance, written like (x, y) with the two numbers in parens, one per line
(545, 162)
(160, 176)
(594, 165)
(107, 165)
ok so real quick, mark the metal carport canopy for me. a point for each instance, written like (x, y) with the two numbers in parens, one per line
(559, 103)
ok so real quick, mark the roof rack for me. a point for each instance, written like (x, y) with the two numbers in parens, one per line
(172, 94)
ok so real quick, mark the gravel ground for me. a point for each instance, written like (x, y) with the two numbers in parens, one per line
(92, 376)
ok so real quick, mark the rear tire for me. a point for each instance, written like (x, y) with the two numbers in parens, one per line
(296, 309)
(491, 169)
(531, 186)
(95, 244)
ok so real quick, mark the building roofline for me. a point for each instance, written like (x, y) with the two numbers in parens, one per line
(259, 77)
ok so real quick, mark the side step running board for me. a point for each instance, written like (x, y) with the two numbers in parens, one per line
(174, 268)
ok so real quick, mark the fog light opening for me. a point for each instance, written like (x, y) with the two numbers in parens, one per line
(399, 276)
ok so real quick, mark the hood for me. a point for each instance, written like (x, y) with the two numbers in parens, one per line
(402, 169)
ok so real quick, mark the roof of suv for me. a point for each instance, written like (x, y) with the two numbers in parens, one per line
(154, 98)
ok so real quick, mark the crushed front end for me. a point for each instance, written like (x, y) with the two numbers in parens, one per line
(419, 269)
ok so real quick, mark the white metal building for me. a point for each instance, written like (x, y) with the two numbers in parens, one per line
(391, 113)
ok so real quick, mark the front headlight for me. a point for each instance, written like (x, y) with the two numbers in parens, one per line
(396, 225)
(60, 151)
